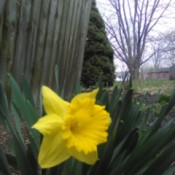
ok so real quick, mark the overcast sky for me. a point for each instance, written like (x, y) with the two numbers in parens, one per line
(163, 25)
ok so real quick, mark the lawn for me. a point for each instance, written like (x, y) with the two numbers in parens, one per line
(154, 86)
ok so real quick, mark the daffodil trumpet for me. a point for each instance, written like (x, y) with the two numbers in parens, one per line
(71, 129)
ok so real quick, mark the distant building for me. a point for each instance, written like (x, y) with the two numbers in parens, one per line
(172, 72)
(166, 73)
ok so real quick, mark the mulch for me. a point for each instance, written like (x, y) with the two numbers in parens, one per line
(4, 136)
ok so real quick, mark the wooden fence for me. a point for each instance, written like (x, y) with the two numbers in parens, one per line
(36, 35)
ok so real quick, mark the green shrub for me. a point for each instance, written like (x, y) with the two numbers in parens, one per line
(98, 56)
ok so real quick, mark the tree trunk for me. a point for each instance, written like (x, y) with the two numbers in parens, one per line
(134, 72)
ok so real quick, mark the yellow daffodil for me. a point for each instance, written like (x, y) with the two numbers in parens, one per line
(71, 129)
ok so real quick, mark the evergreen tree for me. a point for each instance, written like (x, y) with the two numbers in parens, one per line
(98, 57)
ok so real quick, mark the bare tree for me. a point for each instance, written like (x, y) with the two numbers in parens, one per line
(169, 40)
(158, 48)
(129, 28)
(163, 47)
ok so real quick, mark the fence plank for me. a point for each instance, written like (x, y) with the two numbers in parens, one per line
(2, 6)
(2, 58)
(49, 42)
(32, 39)
(76, 29)
(21, 39)
(56, 41)
(40, 46)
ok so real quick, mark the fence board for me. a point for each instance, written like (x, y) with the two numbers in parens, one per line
(49, 42)
(10, 32)
(2, 60)
(2, 6)
(32, 41)
(40, 46)
(56, 40)
(37, 35)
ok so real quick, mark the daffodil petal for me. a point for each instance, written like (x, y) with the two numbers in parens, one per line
(89, 158)
(52, 151)
(53, 103)
(86, 126)
(86, 95)
(99, 125)
(48, 124)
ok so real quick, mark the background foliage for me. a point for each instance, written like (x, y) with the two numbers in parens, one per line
(135, 145)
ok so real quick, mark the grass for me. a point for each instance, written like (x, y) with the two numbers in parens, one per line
(153, 86)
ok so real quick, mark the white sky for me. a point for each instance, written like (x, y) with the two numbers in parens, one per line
(164, 25)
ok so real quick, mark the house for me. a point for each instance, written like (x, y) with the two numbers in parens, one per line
(165, 73)
(161, 73)
(172, 72)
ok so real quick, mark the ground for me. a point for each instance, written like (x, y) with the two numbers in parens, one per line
(3, 138)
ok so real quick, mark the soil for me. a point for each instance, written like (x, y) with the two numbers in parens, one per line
(4, 136)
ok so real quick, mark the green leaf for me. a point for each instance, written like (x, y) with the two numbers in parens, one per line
(24, 164)
(27, 111)
(170, 171)
(4, 111)
(165, 159)
(27, 91)
(146, 151)
(4, 166)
